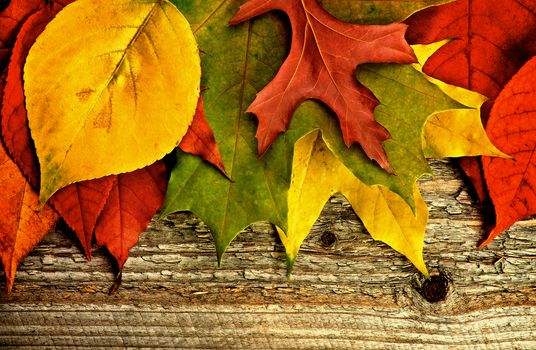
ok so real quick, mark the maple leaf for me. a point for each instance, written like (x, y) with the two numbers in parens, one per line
(114, 110)
(324, 56)
(512, 126)
(317, 175)
(259, 188)
(22, 224)
(495, 40)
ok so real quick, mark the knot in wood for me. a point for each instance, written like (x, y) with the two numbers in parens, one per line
(328, 239)
(435, 289)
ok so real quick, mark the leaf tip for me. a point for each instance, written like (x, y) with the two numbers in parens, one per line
(291, 259)
(117, 283)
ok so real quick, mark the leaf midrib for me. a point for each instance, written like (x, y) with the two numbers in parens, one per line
(132, 41)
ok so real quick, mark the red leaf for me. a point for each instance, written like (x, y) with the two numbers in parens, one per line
(495, 40)
(81, 204)
(12, 18)
(512, 127)
(22, 224)
(134, 199)
(321, 65)
(15, 130)
(199, 140)
(78, 204)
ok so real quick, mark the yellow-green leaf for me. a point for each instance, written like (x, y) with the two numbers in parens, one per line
(317, 174)
(111, 86)
(454, 133)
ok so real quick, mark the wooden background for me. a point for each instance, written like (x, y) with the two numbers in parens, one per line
(346, 292)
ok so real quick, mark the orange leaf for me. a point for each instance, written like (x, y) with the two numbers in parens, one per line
(512, 127)
(321, 65)
(22, 224)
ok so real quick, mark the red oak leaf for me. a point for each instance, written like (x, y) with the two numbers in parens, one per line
(133, 201)
(495, 40)
(323, 59)
(512, 127)
(22, 224)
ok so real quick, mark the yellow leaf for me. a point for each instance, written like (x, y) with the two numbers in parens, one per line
(459, 132)
(317, 174)
(111, 86)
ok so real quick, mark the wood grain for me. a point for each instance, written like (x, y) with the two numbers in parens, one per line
(346, 291)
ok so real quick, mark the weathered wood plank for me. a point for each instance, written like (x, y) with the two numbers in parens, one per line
(347, 291)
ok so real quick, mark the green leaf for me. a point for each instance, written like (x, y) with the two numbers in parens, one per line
(238, 61)
(377, 11)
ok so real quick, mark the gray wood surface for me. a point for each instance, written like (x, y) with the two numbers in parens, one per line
(346, 292)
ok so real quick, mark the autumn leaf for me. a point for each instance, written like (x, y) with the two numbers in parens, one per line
(12, 18)
(199, 140)
(317, 175)
(133, 201)
(259, 188)
(22, 224)
(15, 131)
(495, 39)
(408, 100)
(323, 58)
(454, 133)
(369, 12)
(113, 110)
(79, 204)
(512, 127)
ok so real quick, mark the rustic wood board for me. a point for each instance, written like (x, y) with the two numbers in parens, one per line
(346, 292)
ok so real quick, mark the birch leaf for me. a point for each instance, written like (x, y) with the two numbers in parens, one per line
(113, 98)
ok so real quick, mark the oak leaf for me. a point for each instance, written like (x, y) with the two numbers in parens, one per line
(114, 109)
(512, 127)
(324, 56)
(22, 224)
(318, 173)
(495, 40)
